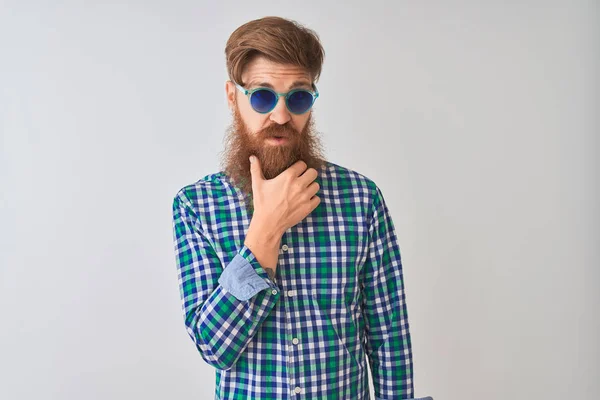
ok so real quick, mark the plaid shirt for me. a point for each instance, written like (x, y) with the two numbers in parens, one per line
(338, 294)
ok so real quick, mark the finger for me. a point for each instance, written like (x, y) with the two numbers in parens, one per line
(298, 168)
(256, 171)
(308, 176)
(314, 203)
(313, 188)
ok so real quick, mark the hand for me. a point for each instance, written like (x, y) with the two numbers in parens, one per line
(288, 198)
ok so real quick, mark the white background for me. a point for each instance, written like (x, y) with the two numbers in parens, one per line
(479, 121)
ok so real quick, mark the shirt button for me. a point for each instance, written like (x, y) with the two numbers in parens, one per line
(274, 291)
(284, 247)
(297, 389)
(295, 340)
(290, 293)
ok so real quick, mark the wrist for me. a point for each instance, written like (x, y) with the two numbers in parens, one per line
(264, 233)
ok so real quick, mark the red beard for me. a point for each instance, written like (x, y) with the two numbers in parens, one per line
(274, 158)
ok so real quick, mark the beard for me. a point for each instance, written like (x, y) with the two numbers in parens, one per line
(240, 143)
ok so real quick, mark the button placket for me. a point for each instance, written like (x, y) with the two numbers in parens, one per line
(295, 341)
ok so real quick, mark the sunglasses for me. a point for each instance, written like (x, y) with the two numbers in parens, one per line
(263, 100)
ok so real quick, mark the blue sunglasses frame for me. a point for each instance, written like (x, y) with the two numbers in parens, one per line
(277, 95)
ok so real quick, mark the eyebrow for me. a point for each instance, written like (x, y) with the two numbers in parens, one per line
(293, 85)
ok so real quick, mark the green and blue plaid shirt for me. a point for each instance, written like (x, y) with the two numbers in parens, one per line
(337, 297)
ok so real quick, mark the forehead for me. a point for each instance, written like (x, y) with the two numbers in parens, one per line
(280, 76)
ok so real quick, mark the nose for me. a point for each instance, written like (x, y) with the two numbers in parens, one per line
(280, 113)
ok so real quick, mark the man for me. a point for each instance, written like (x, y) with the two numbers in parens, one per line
(289, 266)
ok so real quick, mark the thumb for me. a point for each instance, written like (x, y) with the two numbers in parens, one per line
(256, 171)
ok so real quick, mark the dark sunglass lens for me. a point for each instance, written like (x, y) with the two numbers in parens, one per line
(262, 100)
(300, 101)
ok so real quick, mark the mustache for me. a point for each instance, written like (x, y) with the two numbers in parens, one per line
(285, 130)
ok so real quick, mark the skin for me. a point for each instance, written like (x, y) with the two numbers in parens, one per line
(279, 186)
(281, 76)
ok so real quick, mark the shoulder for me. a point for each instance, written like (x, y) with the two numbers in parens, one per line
(347, 179)
(206, 191)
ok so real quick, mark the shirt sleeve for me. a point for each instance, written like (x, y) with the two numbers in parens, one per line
(388, 343)
(222, 306)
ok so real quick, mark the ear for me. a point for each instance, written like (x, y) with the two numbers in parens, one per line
(230, 92)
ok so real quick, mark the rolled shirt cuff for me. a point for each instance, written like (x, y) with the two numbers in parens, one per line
(241, 278)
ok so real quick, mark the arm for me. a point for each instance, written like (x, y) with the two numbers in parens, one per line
(388, 343)
(222, 307)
